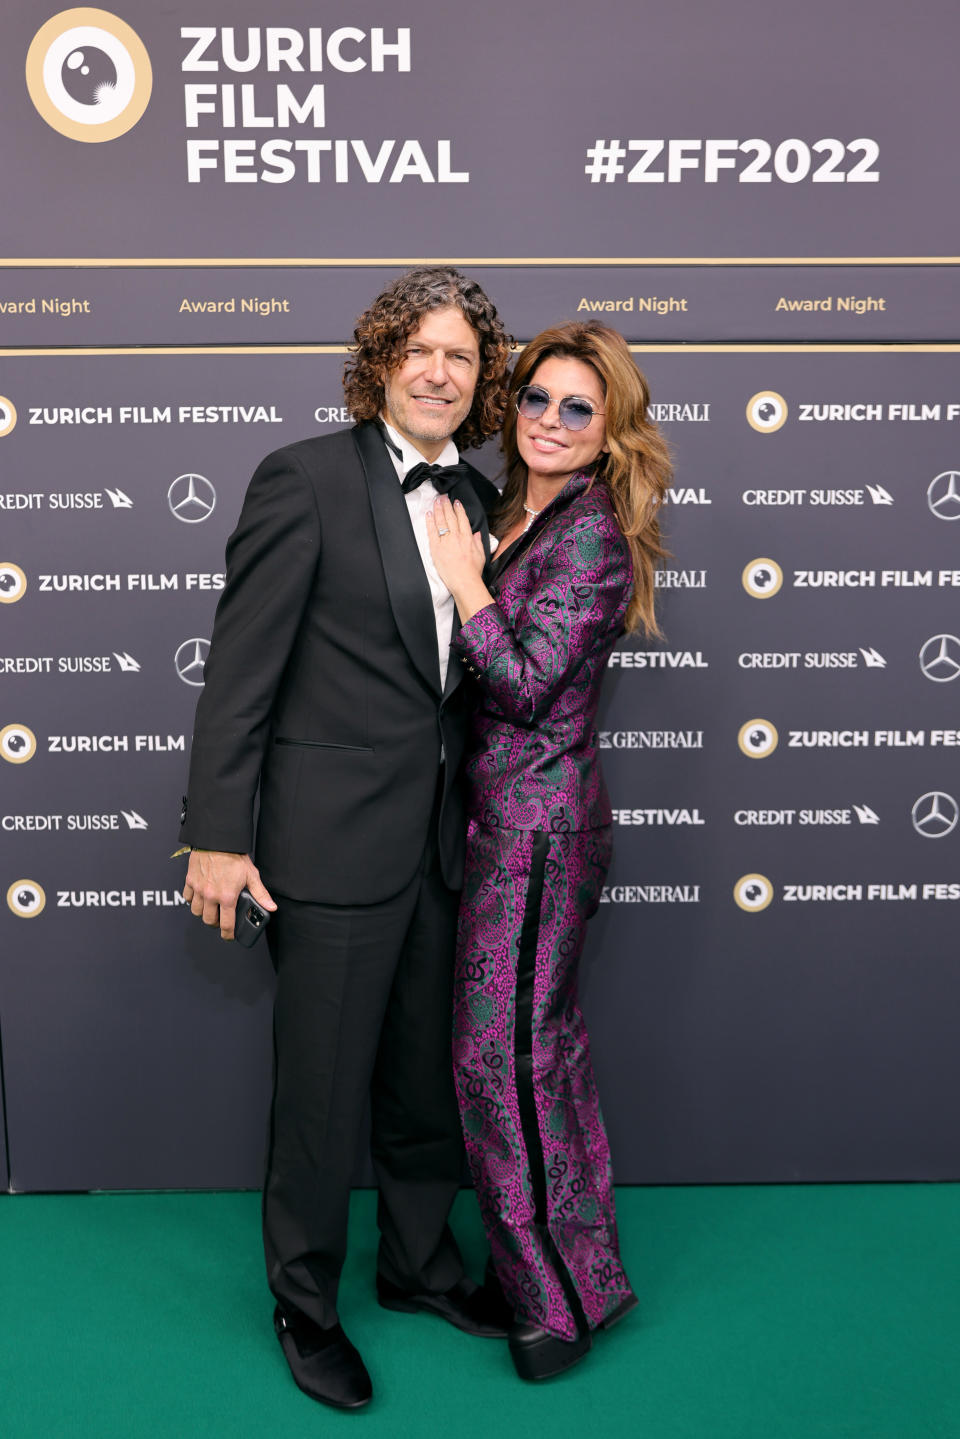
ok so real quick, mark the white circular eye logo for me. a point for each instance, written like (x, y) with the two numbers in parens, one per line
(766, 411)
(753, 892)
(89, 74)
(943, 495)
(762, 578)
(940, 658)
(935, 814)
(190, 660)
(17, 743)
(26, 898)
(758, 738)
(8, 415)
(13, 583)
(191, 498)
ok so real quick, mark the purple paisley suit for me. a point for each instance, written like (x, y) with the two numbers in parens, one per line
(538, 849)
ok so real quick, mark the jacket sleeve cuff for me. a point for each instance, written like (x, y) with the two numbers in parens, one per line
(481, 638)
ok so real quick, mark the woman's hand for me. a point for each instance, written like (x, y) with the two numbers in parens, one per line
(458, 555)
(457, 552)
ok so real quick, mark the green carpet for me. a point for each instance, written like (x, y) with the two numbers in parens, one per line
(765, 1312)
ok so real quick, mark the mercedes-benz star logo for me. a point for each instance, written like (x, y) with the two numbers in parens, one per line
(190, 660)
(943, 495)
(191, 498)
(935, 814)
(940, 658)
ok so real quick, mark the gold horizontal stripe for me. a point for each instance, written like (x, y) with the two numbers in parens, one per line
(797, 349)
(647, 349)
(310, 262)
(179, 350)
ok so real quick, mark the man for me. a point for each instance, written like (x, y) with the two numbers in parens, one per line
(328, 686)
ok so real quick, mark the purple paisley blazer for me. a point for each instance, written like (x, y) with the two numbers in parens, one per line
(538, 656)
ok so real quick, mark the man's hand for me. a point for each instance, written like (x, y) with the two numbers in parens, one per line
(214, 880)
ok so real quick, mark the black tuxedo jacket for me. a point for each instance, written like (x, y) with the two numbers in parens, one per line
(322, 685)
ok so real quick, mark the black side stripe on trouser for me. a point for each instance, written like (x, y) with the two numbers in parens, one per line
(523, 1023)
(523, 1064)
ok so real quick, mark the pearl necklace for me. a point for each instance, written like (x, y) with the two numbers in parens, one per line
(533, 515)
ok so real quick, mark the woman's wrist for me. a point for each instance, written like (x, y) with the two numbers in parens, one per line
(470, 596)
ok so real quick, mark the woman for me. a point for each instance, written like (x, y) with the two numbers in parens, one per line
(575, 567)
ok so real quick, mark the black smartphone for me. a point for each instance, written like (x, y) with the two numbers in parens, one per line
(251, 920)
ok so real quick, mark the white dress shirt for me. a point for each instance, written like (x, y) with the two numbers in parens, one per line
(419, 501)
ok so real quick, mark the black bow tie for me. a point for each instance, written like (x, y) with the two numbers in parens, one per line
(442, 477)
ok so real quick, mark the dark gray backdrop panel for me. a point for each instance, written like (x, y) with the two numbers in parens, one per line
(810, 1040)
(4, 1171)
(137, 1047)
(522, 96)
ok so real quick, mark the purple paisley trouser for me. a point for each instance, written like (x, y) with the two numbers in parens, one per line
(531, 1117)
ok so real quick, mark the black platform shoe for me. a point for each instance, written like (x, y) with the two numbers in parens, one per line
(537, 1354)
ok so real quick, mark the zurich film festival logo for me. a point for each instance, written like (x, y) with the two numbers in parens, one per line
(26, 898)
(89, 75)
(191, 499)
(762, 578)
(8, 415)
(17, 743)
(13, 583)
(753, 892)
(758, 738)
(767, 412)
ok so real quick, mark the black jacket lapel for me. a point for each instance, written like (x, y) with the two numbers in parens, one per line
(464, 491)
(407, 582)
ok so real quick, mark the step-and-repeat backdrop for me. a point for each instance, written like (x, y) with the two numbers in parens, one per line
(198, 204)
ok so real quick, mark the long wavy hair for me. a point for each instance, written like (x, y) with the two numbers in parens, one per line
(381, 335)
(636, 472)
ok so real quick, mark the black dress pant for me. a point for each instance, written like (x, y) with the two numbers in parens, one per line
(363, 1006)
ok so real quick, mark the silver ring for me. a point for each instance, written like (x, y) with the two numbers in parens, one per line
(442, 532)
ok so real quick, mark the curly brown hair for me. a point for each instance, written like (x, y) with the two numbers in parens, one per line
(381, 334)
(637, 469)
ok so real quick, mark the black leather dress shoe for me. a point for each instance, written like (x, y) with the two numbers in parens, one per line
(537, 1354)
(323, 1362)
(466, 1306)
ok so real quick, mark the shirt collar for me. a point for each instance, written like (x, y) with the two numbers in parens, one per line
(410, 455)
